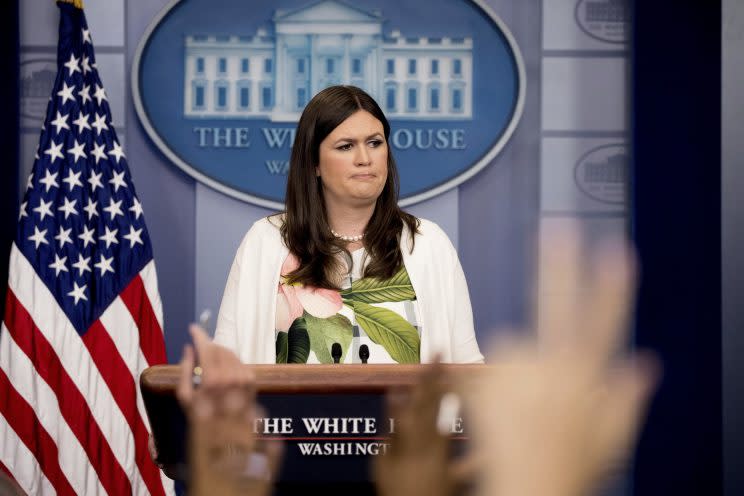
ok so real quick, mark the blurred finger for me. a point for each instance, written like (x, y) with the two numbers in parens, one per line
(559, 283)
(396, 400)
(234, 401)
(274, 451)
(464, 470)
(215, 374)
(256, 412)
(240, 402)
(185, 388)
(201, 344)
(609, 301)
(428, 392)
(231, 372)
(632, 386)
(641, 381)
(247, 376)
(203, 408)
(448, 413)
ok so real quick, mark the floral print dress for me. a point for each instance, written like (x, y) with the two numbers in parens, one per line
(382, 314)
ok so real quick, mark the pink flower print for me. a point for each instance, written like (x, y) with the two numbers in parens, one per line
(288, 307)
(291, 300)
(290, 264)
(321, 303)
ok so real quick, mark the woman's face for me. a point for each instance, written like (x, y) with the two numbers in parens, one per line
(353, 161)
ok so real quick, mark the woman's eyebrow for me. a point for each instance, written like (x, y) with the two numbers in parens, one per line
(374, 135)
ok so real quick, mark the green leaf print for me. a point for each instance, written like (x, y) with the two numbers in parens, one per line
(373, 290)
(388, 329)
(298, 348)
(324, 332)
(293, 346)
(281, 347)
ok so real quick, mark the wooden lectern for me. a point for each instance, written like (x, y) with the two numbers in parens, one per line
(319, 450)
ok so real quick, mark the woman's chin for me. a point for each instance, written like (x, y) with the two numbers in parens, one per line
(366, 197)
(357, 197)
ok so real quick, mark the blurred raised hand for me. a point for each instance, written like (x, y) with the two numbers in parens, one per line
(560, 409)
(418, 461)
(225, 457)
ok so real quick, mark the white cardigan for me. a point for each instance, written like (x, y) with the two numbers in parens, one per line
(246, 320)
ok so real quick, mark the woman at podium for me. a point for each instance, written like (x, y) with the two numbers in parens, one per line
(343, 274)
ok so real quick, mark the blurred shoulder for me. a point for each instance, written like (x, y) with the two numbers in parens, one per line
(270, 223)
(265, 229)
(430, 230)
(430, 239)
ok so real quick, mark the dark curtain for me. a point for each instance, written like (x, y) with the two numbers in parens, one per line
(676, 222)
(9, 137)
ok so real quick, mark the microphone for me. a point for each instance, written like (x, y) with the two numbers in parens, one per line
(364, 353)
(336, 352)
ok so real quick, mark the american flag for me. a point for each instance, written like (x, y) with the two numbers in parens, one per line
(83, 316)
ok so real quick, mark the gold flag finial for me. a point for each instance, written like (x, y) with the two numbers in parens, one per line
(76, 3)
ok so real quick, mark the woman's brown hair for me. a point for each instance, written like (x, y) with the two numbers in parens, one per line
(305, 229)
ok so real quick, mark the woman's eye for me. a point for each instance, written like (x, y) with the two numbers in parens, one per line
(346, 146)
(375, 143)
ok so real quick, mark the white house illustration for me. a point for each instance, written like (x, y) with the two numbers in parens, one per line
(325, 43)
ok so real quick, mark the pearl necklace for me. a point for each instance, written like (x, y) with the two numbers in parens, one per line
(350, 239)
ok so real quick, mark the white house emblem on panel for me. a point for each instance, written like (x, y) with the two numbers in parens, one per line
(219, 85)
(327, 43)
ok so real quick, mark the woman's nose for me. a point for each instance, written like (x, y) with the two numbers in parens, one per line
(362, 157)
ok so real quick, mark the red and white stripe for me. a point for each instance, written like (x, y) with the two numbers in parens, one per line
(73, 421)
